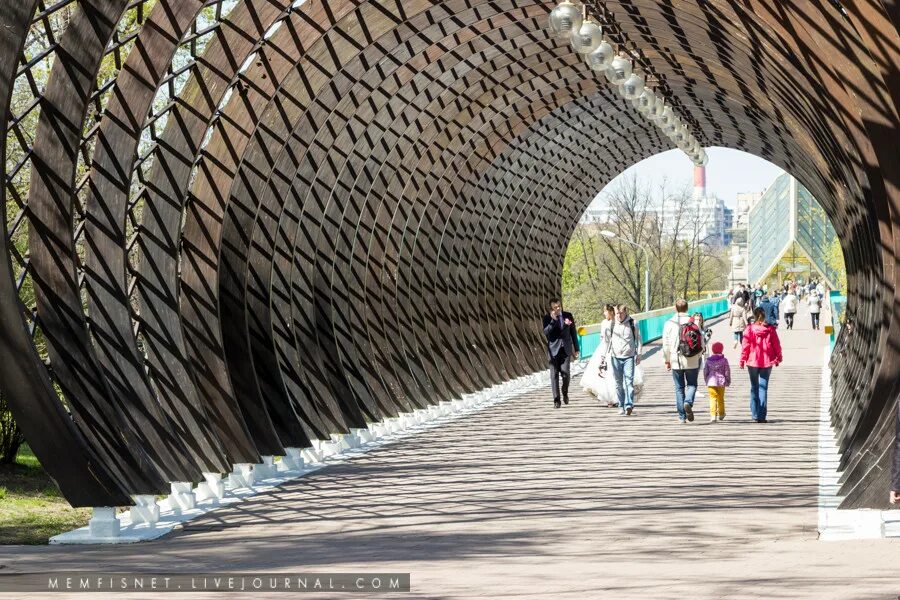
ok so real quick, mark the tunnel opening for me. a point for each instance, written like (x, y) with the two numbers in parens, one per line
(352, 211)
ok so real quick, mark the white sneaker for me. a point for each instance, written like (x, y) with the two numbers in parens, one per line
(621, 411)
(712, 419)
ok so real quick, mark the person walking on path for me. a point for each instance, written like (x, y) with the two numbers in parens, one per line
(815, 306)
(717, 374)
(789, 308)
(562, 346)
(737, 320)
(771, 310)
(682, 347)
(595, 380)
(621, 341)
(760, 351)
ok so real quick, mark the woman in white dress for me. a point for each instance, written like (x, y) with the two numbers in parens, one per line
(601, 383)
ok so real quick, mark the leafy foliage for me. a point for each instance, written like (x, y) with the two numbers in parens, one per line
(599, 269)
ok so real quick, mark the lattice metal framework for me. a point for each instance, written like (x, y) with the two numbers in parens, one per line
(236, 226)
(785, 221)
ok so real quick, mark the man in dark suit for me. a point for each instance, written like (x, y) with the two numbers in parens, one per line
(562, 346)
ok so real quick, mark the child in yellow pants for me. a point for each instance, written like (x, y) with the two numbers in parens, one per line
(717, 373)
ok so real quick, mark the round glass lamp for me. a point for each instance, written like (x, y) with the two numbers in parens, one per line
(633, 87)
(565, 19)
(601, 57)
(645, 102)
(619, 70)
(666, 119)
(657, 110)
(588, 37)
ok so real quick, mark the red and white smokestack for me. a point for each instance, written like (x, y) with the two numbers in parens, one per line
(699, 181)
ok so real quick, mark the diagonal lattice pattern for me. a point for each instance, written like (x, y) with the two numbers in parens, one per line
(235, 226)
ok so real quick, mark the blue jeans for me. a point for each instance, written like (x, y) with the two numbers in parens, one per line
(685, 388)
(759, 390)
(739, 336)
(623, 371)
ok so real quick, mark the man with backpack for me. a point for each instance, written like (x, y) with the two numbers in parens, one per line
(620, 340)
(682, 350)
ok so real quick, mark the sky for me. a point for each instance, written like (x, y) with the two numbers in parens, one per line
(728, 173)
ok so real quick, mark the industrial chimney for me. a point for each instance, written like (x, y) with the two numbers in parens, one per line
(699, 182)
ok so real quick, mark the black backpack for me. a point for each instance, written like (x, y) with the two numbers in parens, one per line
(690, 339)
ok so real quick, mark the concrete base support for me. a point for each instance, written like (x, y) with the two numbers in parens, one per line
(264, 470)
(343, 441)
(181, 498)
(379, 430)
(363, 436)
(241, 476)
(104, 523)
(145, 509)
(325, 448)
(211, 488)
(311, 455)
(858, 524)
(293, 460)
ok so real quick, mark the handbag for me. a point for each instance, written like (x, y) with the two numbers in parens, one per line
(603, 361)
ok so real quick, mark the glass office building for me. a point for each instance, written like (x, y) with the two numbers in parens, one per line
(790, 236)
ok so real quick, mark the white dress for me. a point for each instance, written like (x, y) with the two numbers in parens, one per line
(604, 388)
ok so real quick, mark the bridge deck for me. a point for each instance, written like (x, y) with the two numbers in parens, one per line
(565, 502)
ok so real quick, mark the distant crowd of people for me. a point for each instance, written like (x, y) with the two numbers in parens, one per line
(784, 301)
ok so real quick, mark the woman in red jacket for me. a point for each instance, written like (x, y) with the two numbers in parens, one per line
(760, 351)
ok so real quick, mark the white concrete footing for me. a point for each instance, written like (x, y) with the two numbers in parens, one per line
(363, 436)
(326, 448)
(264, 470)
(104, 523)
(343, 442)
(311, 455)
(377, 430)
(292, 461)
(211, 489)
(181, 498)
(240, 477)
(145, 509)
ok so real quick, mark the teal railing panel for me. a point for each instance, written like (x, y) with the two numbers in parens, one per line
(651, 327)
(838, 303)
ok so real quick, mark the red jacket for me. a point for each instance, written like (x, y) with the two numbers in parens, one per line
(761, 346)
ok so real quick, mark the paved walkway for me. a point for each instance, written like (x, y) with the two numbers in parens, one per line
(524, 501)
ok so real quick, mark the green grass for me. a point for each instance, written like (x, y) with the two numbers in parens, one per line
(31, 507)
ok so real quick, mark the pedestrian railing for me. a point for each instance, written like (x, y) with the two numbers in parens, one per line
(651, 323)
(838, 302)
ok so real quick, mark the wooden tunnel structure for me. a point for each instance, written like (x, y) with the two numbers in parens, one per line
(235, 226)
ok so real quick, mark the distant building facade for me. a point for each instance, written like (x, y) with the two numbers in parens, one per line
(713, 220)
(790, 235)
